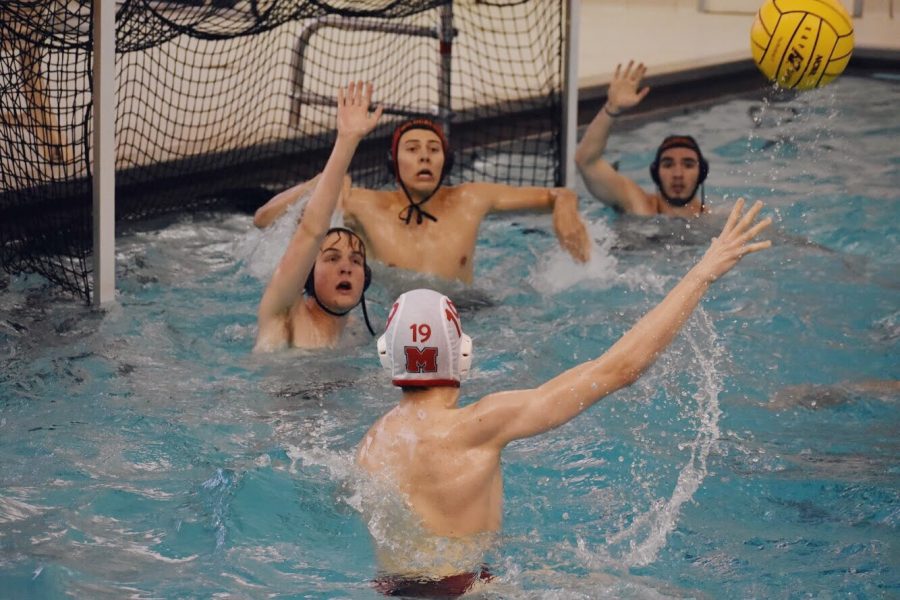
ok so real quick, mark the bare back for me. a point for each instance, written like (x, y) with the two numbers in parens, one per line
(454, 486)
(445, 248)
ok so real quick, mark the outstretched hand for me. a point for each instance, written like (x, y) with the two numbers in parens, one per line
(353, 116)
(734, 242)
(623, 89)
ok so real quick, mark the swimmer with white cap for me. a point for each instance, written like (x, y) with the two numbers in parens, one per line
(445, 460)
(428, 227)
(323, 274)
(678, 170)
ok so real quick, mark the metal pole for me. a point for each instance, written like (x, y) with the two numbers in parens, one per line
(570, 95)
(445, 35)
(104, 151)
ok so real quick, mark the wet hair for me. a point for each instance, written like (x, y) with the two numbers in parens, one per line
(357, 245)
(679, 141)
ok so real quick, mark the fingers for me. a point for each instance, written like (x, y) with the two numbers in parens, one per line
(376, 114)
(745, 229)
(750, 216)
(754, 231)
(357, 93)
(632, 72)
(639, 72)
(734, 216)
(756, 247)
(580, 245)
(573, 238)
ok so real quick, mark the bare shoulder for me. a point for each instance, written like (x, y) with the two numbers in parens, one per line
(478, 193)
(476, 188)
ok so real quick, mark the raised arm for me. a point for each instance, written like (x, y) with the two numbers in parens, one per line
(354, 121)
(601, 179)
(567, 222)
(503, 417)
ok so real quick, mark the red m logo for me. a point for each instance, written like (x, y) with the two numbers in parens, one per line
(421, 360)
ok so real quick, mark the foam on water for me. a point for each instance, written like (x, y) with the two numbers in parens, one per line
(260, 250)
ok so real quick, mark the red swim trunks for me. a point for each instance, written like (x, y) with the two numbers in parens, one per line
(451, 586)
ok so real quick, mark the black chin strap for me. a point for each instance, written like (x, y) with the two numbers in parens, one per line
(362, 300)
(406, 214)
(329, 311)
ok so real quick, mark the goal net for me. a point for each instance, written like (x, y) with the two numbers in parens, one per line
(220, 103)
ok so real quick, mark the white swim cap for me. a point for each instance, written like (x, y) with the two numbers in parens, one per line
(423, 344)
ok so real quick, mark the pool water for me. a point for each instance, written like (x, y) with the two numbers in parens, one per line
(146, 453)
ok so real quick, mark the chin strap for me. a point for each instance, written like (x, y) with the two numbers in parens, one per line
(328, 310)
(406, 214)
(366, 315)
(362, 300)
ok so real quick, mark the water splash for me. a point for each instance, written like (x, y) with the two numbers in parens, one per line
(400, 540)
(260, 249)
(557, 272)
(648, 532)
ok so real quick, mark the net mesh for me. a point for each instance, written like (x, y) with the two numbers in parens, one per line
(219, 103)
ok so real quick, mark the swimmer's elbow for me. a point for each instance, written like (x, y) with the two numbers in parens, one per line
(261, 218)
(582, 160)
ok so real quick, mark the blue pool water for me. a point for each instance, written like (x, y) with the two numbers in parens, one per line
(145, 453)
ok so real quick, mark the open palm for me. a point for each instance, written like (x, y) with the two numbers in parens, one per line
(353, 115)
(623, 89)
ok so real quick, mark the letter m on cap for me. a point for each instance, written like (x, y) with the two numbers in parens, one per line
(422, 360)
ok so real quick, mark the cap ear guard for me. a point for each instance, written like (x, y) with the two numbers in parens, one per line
(383, 355)
(465, 356)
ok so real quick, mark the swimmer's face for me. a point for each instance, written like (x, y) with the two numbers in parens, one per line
(420, 160)
(340, 274)
(679, 171)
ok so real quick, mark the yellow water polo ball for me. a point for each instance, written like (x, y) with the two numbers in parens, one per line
(801, 44)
